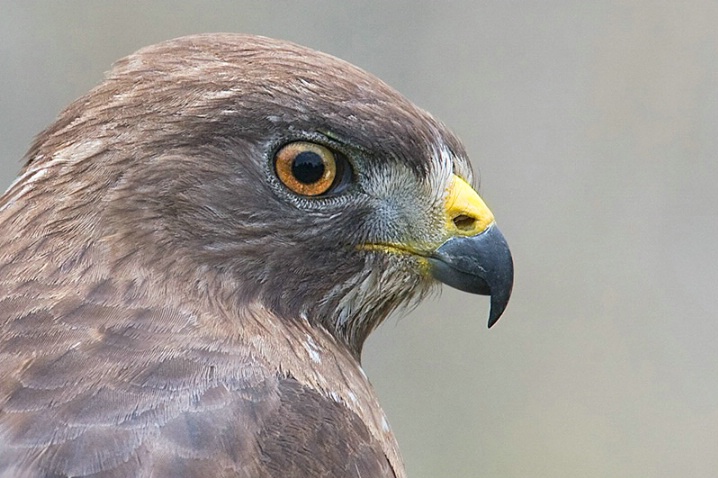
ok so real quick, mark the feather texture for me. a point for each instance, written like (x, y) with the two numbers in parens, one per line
(168, 309)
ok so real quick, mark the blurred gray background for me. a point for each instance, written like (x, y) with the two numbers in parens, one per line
(594, 126)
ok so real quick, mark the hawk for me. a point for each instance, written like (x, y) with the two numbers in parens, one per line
(196, 250)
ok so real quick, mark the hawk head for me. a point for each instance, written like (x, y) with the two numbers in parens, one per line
(264, 172)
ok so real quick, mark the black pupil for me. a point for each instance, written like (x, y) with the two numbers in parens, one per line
(308, 167)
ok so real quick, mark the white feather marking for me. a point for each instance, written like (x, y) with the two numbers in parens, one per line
(74, 153)
(27, 180)
(39, 168)
(218, 95)
(311, 347)
(449, 163)
(443, 164)
(384, 424)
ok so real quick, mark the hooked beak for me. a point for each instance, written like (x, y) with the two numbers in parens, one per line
(476, 258)
(479, 264)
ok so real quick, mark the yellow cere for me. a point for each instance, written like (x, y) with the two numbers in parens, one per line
(466, 212)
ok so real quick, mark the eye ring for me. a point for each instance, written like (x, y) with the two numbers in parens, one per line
(309, 169)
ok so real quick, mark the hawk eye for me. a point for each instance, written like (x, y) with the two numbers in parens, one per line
(310, 169)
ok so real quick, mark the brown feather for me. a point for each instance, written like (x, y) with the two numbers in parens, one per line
(166, 309)
(145, 390)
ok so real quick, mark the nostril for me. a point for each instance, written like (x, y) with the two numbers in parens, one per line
(464, 222)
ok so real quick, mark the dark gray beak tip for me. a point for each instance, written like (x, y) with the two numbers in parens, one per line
(480, 264)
